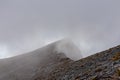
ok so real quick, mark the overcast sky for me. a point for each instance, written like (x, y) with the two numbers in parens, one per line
(25, 25)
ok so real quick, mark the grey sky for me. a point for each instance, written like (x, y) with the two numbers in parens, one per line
(25, 25)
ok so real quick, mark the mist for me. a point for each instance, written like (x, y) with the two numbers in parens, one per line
(26, 25)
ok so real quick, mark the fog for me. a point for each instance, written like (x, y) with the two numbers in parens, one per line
(26, 25)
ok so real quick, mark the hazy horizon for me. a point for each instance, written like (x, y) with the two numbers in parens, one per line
(26, 25)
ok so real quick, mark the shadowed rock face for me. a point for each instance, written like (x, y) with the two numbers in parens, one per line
(42, 61)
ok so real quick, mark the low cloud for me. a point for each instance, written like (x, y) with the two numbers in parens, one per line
(29, 24)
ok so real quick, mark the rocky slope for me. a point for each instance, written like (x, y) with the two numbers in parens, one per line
(41, 61)
(52, 63)
(101, 66)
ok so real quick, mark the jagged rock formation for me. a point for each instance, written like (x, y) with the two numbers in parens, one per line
(101, 66)
(42, 61)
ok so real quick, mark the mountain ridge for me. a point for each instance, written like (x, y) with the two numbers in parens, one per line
(104, 65)
(55, 65)
(24, 67)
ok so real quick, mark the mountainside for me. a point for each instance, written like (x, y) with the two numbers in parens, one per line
(101, 66)
(26, 66)
(52, 63)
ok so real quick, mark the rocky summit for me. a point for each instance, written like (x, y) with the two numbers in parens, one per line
(40, 62)
(53, 62)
